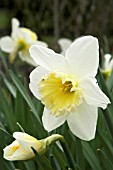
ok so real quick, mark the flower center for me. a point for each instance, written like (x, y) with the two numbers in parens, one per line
(60, 93)
(67, 86)
(22, 45)
(14, 148)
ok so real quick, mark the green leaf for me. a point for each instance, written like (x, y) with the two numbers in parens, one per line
(24, 93)
(3, 60)
(106, 140)
(103, 86)
(68, 155)
(109, 110)
(110, 81)
(6, 108)
(90, 156)
(105, 161)
(54, 162)
(10, 87)
(79, 154)
(42, 160)
(60, 157)
(20, 112)
(30, 165)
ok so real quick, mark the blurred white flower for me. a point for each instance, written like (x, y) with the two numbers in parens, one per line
(21, 148)
(19, 42)
(108, 64)
(64, 43)
(67, 86)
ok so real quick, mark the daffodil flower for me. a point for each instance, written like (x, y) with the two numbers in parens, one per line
(21, 148)
(19, 42)
(108, 65)
(64, 43)
(67, 86)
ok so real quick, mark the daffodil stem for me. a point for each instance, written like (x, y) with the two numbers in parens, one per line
(68, 154)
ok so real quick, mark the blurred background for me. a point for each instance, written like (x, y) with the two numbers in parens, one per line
(54, 19)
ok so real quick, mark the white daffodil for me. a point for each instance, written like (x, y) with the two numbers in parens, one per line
(21, 148)
(64, 43)
(67, 86)
(108, 64)
(19, 42)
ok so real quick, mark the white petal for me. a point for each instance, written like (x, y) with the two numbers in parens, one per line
(27, 141)
(20, 34)
(21, 154)
(35, 76)
(8, 151)
(83, 122)
(93, 94)
(7, 44)
(15, 24)
(23, 136)
(51, 122)
(111, 64)
(47, 58)
(41, 43)
(107, 60)
(83, 56)
(64, 43)
(25, 56)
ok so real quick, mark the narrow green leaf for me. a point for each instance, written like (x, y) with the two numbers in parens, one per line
(90, 156)
(60, 157)
(68, 155)
(79, 154)
(9, 165)
(109, 120)
(3, 60)
(20, 127)
(7, 110)
(105, 161)
(106, 141)
(24, 93)
(103, 86)
(5, 131)
(30, 165)
(54, 162)
(8, 85)
(109, 110)
(110, 81)
(19, 108)
(42, 160)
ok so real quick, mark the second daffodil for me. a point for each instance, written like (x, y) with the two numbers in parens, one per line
(19, 42)
(64, 43)
(67, 86)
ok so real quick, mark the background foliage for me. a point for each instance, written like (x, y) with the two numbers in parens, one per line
(52, 19)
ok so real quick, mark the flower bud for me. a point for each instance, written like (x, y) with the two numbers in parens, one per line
(21, 148)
